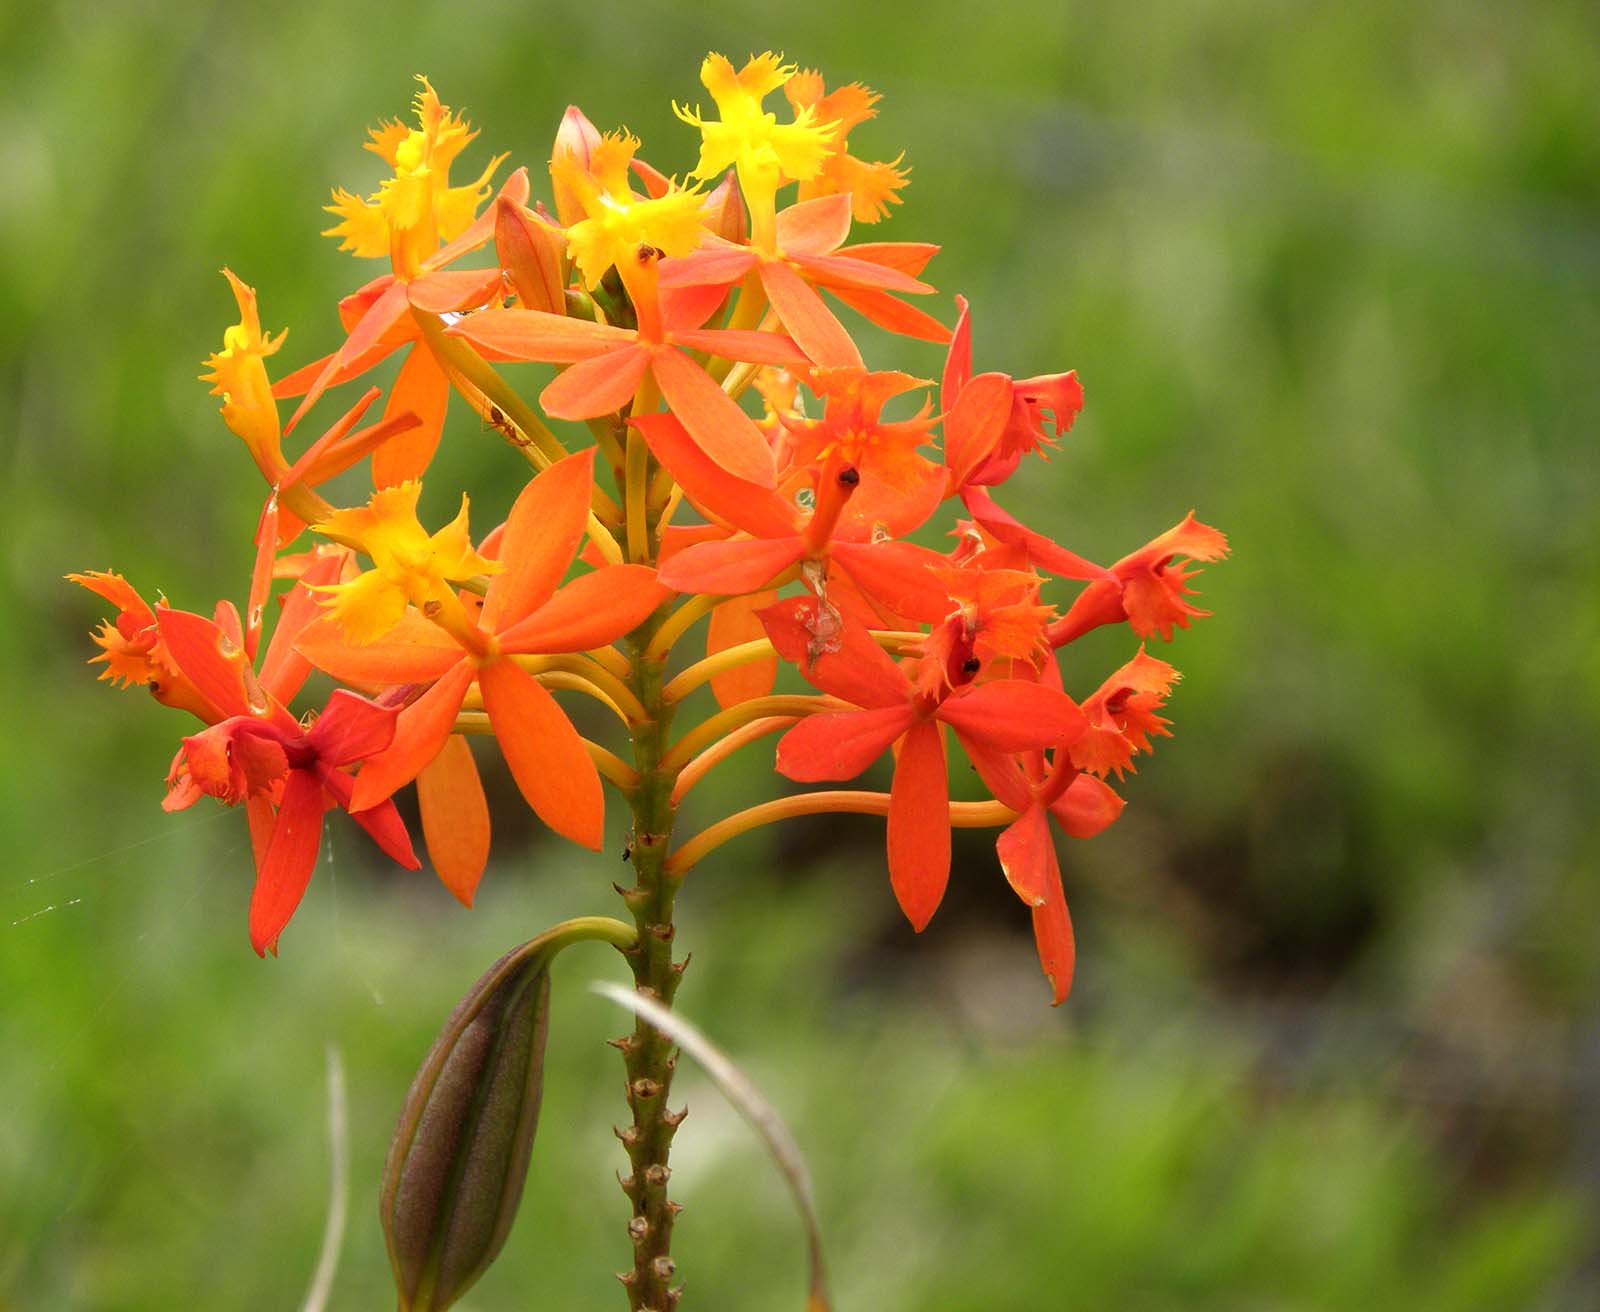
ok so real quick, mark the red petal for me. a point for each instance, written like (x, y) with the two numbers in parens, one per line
(1026, 855)
(973, 425)
(210, 660)
(896, 575)
(455, 818)
(1087, 807)
(382, 822)
(591, 610)
(730, 568)
(1041, 550)
(538, 335)
(1000, 775)
(351, 729)
(1013, 715)
(596, 386)
(421, 389)
(835, 655)
(714, 420)
(1052, 933)
(811, 323)
(840, 745)
(419, 734)
(919, 825)
(291, 856)
(541, 539)
(546, 757)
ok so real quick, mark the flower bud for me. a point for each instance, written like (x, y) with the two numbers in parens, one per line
(456, 1166)
(530, 252)
(578, 136)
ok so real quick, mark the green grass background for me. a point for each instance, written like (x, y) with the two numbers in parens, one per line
(1330, 274)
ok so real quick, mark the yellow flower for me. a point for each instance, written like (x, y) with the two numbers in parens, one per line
(408, 564)
(766, 153)
(239, 377)
(414, 211)
(617, 223)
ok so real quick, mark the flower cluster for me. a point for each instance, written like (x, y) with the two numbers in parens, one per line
(654, 314)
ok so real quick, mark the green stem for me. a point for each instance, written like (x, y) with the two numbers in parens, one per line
(647, 1054)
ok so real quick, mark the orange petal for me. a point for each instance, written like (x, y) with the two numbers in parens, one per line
(896, 575)
(455, 818)
(596, 386)
(538, 335)
(919, 825)
(892, 314)
(421, 388)
(814, 227)
(283, 669)
(541, 538)
(591, 610)
(546, 757)
(419, 734)
(761, 512)
(713, 419)
(1087, 807)
(365, 337)
(452, 291)
(812, 324)
(414, 651)
(1041, 550)
(733, 623)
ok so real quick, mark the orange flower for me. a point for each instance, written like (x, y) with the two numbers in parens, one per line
(871, 187)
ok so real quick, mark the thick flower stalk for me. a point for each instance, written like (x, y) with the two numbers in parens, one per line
(845, 537)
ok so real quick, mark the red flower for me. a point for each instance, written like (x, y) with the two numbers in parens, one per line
(1147, 588)
(839, 657)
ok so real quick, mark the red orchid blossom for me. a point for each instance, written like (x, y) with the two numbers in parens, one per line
(1004, 715)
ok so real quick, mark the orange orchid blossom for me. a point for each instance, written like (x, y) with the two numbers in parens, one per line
(646, 496)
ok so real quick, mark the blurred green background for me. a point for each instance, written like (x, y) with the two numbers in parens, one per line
(1330, 275)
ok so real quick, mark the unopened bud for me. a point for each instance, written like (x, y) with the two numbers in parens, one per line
(530, 252)
(456, 1165)
(724, 211)
(579, 137)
